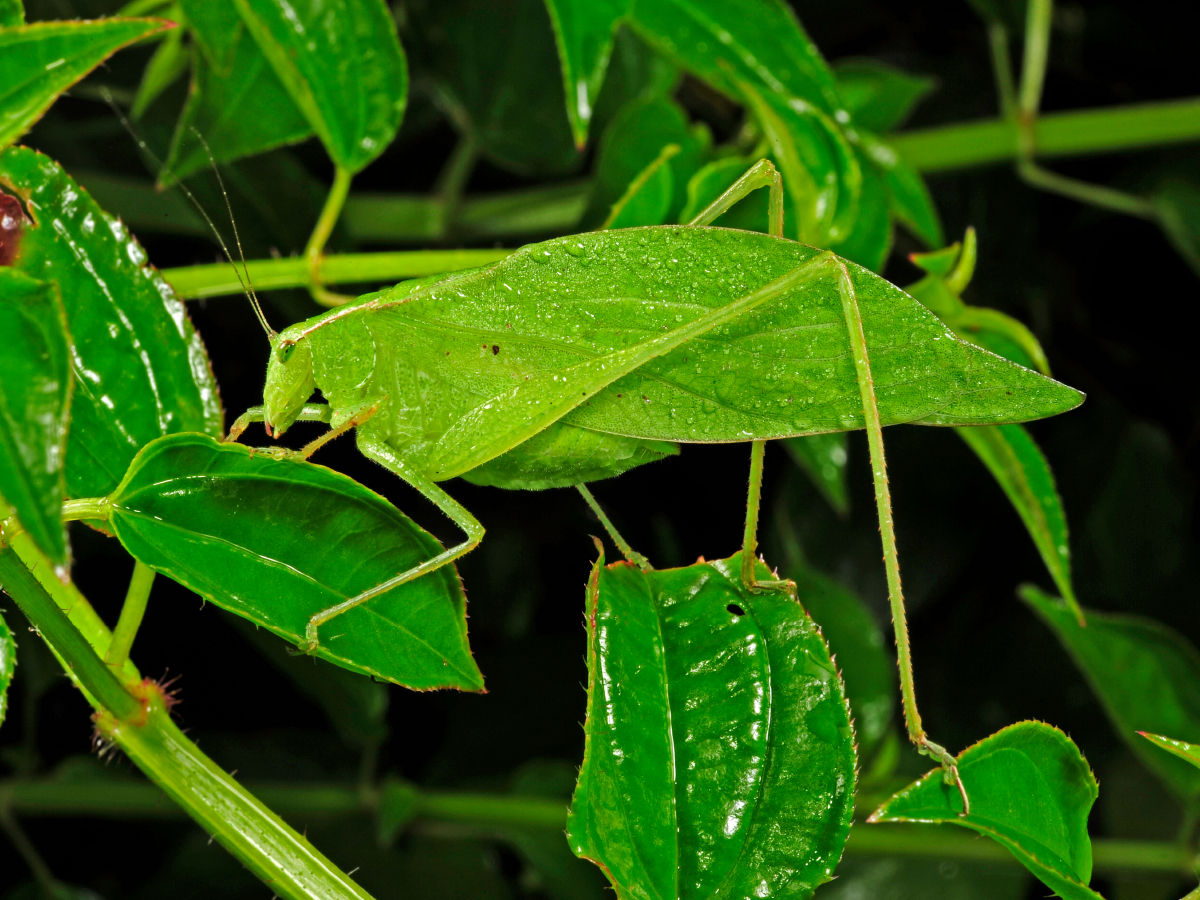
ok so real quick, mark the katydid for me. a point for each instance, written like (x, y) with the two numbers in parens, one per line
(582, 357)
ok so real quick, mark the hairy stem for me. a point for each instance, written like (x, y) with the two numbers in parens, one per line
(623, 545)
(132, 612)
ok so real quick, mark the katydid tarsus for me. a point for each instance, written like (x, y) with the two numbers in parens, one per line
(452, 376)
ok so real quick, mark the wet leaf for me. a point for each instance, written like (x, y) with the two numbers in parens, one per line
(1146, 676)
(35, 396)
(277, 541)
(1017, 464)
(342, 64)
(1182, 749)
(40, 61)
(633, 142)
(236, 101)
(481, 55)
(8, 663)
(140, 369)
(1031, 791)
(823, 457)
(719, 752)
(878, 96)
(859, 651)
(584, 31)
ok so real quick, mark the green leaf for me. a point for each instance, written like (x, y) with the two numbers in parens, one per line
(35, 395)
(634, 71)
(711, 181)
(726, 41)
(1146, 676)
(584, 31)
(1177, 202)
(719, 753)
(823, 457)
(1182, 749)
(632, 143)
(877, 96)
(870, 238)
(1017, 464)
(40, 61)
(396, 808)
(495, 72)
(933, 878)
(1030, 790)
(277, 541)
(8, 662)
(342, 64)
(356, 706)
(909, 197)
(12, 14)
(859, 650)
(141, 370)
(239, 113)
(166, 66)
(647, 200)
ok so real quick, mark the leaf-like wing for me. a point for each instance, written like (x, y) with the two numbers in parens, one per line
(1031, 791)
(342, 64)
(40, 61)
(1146, 676)
(35, 395)
(140, 368)
(719, 757)
(277, 541)
(782, 369)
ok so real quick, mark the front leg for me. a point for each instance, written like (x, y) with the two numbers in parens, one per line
(310, 412)
(393, 462)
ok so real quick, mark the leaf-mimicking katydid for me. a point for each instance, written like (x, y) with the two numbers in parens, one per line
(582, 357)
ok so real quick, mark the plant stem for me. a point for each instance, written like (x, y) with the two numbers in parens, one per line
(1002, 68)
(132, 611)
(87, 508)
(73, 650)
(219, 279)
(623, 545)
(1074, 133)
(1037, 54)
(315, 251)
(753, 499)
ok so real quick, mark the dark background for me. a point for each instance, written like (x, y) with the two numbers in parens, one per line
(1106, 295)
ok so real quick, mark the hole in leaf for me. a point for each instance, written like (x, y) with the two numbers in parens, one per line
(735, 609)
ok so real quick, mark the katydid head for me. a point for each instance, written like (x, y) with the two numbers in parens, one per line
(290, 381)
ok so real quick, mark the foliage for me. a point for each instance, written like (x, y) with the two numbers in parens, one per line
(714, 208)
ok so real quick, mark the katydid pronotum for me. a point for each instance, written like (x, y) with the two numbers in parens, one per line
(520, 376)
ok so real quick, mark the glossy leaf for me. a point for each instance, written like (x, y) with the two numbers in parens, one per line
(633, 142)
(35, 396)
(1017, 464)
(878, 96)
(1146, 676)
(723, 41)
(495, 72)
(1182, 749)
(635, 72)
(584, 31)
(647, 200)
(140, 368)
(719, 753)
(909, 198)
(342, 64)
(40, 61)
(238, 113)
(277, 541)
(823, 458)
(1031, 791)
(859, 651)
(8, 663)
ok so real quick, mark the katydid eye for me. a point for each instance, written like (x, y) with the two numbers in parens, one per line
(284, 353)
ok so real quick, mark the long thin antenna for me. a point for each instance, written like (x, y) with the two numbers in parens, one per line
(243, 276)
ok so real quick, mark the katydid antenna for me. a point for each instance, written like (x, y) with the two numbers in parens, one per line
(243, 275)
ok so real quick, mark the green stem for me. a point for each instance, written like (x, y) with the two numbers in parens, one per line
(453, 180)
(623, 545)
(220, 279)
(314, 253)
(88, 508)
(132, 612)
(1086, 192)
(753, 499)
(81, 661)
(493, 809)
(1076, 133)
(1037, 54)
(1002, 68)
